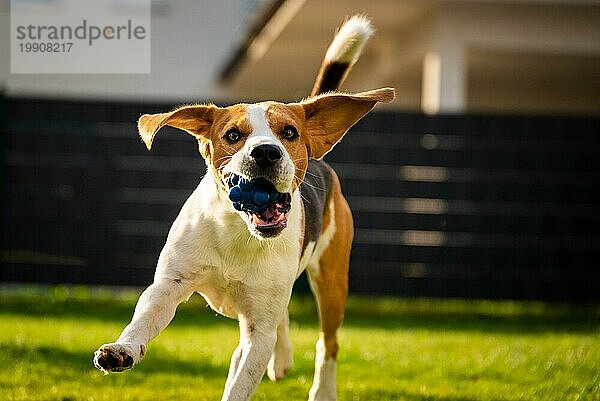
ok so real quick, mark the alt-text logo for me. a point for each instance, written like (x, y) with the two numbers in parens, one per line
(80, 37)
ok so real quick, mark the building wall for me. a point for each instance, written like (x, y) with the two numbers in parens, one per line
(521, 56)
(518, 56)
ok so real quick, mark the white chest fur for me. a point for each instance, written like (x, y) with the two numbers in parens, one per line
(210, 247)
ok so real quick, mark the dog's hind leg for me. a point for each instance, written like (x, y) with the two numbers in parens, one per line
(329, 282)
(282, 358)
(153, 312)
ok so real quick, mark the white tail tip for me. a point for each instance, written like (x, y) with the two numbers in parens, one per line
(350, 40)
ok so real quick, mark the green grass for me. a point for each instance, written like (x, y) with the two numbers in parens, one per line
(391, 349)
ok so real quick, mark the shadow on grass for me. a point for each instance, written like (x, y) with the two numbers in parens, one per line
(474, 322)
(459, 315)
(385, 313)
(194, 313)
(82, 361)
(395, 394)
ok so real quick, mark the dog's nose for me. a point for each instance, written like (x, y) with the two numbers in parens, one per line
(266, 155)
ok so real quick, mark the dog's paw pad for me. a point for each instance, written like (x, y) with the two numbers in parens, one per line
(113, 358)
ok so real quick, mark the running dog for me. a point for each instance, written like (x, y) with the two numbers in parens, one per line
(267, 209)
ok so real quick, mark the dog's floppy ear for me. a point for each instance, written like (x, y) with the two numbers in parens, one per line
(329, 116)
(195, 120)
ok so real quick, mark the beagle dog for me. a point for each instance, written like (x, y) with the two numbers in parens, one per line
(242, 249)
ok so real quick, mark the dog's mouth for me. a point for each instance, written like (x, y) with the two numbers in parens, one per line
(266, 208)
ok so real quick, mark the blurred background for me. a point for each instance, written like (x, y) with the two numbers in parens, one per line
(479, 181)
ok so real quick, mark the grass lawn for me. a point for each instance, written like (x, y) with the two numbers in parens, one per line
(390, 349)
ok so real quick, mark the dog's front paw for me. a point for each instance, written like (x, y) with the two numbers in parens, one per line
(117, 357)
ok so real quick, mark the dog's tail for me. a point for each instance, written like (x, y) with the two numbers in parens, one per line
(343, 52)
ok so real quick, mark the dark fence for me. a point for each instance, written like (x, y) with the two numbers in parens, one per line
(468, 206)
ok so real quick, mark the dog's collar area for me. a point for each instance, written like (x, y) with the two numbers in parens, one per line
(266, 207)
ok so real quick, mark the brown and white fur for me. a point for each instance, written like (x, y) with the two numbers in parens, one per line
(243, 266)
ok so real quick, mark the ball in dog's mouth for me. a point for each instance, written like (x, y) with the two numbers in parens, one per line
(266, 207)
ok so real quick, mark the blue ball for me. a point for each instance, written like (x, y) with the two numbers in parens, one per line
(245, 185)
(249, 207)
(260, 197)
(235, 194)
(250, 197)
(274, 196)
(247, 197)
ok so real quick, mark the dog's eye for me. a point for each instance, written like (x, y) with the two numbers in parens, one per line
(290, 133)
(233, 135)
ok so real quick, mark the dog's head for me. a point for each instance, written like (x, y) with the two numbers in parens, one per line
(266, 146)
